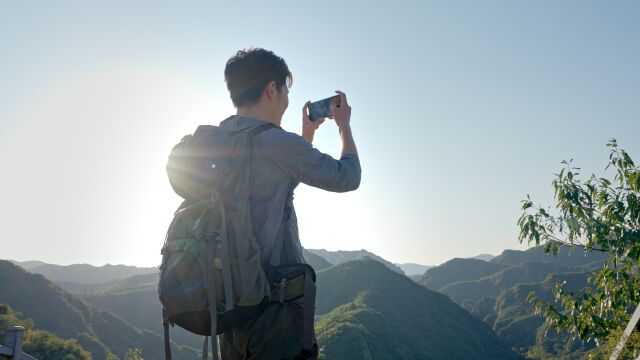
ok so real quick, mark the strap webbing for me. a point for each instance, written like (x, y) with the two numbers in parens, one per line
(309, 303)
(262, 127)
(211, 296)
(205, 348)
(226, 263)
(165, 325)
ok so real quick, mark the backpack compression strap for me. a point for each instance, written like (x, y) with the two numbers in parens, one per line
(165, 325)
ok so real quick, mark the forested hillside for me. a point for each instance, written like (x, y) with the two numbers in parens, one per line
(364, 309)
(368, 310)
(496, 292)
(38, 343)
(57, 311)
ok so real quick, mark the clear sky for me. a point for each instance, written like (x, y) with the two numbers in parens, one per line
(460, 109)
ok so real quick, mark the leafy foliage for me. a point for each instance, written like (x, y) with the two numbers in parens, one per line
(630, 351)
(597, 214)
(134, 354)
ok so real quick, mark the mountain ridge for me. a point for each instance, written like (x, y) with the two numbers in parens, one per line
(362, 302)
(341, 256)
(57, 311)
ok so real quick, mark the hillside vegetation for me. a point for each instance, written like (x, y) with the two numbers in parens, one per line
(369, 311)
(496, 292)
(38, 343)
(365, 309)
(57, 311)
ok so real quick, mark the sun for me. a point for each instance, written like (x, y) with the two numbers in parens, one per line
(89, 158)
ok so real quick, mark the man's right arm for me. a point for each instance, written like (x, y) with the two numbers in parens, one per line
(342, 117)
(300, 160)
(306, 164)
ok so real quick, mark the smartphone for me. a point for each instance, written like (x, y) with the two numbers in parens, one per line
(322, 108)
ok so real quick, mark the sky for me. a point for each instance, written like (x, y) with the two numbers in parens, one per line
(459, 110)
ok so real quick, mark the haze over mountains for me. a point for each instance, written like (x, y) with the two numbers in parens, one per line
(366, 307)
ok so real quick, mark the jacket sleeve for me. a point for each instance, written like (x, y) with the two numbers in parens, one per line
(301, 161)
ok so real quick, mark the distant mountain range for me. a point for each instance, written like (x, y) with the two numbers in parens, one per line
(59, 312)
(411, 269)
(83, 274)
(485, 257)
(496, 292)
(342, 256)
(457, 270)
(365, 310)
(316, 261)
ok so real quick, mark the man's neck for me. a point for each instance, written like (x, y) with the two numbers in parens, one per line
(258, 113)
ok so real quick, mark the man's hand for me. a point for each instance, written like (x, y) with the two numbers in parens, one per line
(309, 127)
(341, 113)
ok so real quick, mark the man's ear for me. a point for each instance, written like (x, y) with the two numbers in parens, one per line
(271, 89)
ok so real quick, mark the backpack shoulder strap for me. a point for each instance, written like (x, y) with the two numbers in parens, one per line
(262, 127)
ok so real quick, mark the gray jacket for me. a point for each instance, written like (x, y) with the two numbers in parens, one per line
(284, 160)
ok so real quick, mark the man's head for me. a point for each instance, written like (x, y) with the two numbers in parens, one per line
(258, 81)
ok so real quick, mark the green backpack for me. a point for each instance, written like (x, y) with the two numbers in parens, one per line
(211, 276)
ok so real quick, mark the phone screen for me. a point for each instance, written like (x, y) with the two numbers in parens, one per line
(322, 108)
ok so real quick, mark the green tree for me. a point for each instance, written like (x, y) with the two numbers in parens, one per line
(134, 354)
(596, 214)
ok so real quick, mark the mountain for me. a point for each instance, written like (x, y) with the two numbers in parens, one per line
(456, 270)
(317, 262)
(28, 264)
(59, 312)
(496, 293)
(411, 269)
(485, 257)
(368, 311)
(492, 285)
(84, 274)
(513, 319)
(126, 282)
(136, 299)
(565, 257)
(341, 256)
(375, 287)
(77, 288)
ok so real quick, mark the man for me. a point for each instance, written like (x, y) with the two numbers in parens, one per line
(258, 82)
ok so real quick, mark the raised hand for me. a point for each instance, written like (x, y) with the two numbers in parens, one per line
(309, 127)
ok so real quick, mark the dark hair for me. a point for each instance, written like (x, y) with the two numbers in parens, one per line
(248, 72)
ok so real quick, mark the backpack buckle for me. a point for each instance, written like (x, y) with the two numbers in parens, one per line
(217, 263)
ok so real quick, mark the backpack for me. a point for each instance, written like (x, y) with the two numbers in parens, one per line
(211, 276)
